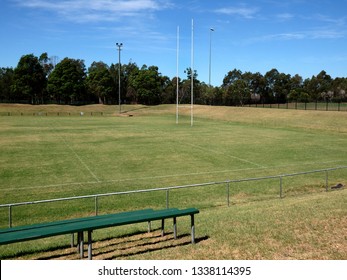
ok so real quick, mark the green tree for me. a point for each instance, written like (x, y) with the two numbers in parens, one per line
(128, 94)
(186, 85)
(6, 81)
(258, 85)
(278, 86)
(146, 85)
(319, 87)
(66, 83)
(168, 95)
(206, 94)
(239, 93)
(296, 82)
(297, 91)
(282, 87)
(29, 79)
(340, 89)
(237, 87)
(46, 63)
(270, 90)
(232, 77)
(99, 82)
(325, 84)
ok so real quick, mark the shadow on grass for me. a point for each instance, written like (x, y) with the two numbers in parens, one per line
(148, 247)
(51, 249)
(124, 246)
(26, 254)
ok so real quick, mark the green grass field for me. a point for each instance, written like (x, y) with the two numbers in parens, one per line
(52, 151)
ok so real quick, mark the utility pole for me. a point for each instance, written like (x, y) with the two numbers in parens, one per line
(119, 98)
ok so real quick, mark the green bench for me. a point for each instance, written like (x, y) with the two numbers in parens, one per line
(88, 224)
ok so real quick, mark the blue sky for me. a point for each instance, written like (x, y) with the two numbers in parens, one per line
(295, 36)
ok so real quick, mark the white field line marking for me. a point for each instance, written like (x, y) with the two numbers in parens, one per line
(78, 157)
(81, 161)
(162, 176)
(227, 155)
(215, 152)
(134, 179)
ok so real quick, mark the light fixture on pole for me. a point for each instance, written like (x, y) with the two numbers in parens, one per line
(209, 73)
(119, 45)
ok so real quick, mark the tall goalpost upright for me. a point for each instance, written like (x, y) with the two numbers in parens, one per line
(191, 77)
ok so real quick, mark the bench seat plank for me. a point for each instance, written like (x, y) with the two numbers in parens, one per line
(26, 233)
(88, 224)
(75, 220)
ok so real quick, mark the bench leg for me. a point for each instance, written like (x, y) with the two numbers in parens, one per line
(78, 242)
(90, 241)
(81, 244)
(193, 229)
(162, 227)
(149, 226)
(175, 227)
(72, 240)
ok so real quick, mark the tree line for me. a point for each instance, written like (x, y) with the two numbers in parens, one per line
(41, 80)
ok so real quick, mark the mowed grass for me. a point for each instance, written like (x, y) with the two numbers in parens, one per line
(45, 157)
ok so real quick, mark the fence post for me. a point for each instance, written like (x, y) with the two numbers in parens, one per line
(326, 180)
(96, 206)
(167, 198)
(281, 196)
(228, 193)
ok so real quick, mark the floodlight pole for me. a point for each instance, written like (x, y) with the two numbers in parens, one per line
(209, 73)
(119, 99)
(192, 79)
(177, 79)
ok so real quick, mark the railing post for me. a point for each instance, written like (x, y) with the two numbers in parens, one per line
(228, 193)
(96, 206)
(281, 196)
(167, 198)
(10, 216)
(326, 180)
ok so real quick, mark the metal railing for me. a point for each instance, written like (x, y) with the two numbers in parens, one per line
(168, 189)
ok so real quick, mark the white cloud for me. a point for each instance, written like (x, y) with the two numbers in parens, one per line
(327, 33)
(243, 11)
(279, 37)
(338, 21)
(300, 35)
(285, 16)
(100, 10)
